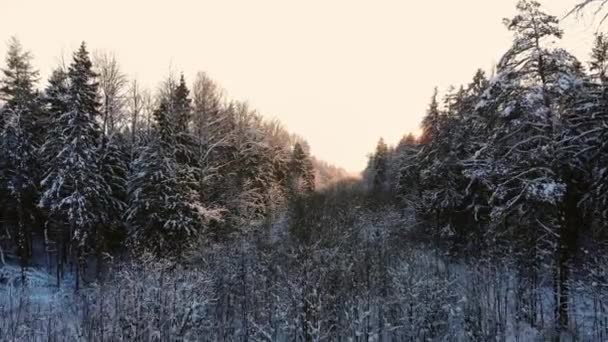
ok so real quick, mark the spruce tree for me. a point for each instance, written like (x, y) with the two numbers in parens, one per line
(181, 106)
(18, 167)
(113, 165)
(164, 213)
(302, 171)
(75, 190)
(438, 170)
(431, 122)
(380, 165)
(407, 190)
(599, 58)
(55, 101)
(180, 117)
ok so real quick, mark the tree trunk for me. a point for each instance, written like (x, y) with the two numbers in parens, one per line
(569, 220)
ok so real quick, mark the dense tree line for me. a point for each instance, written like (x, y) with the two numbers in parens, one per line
(515, 163)
(93, 166)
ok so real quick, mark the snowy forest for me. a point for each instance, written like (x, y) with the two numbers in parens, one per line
(178, 214)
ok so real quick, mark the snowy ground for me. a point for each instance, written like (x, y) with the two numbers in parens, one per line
(149, 301)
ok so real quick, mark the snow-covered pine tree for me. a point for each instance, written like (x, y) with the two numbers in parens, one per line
(406, 172)
(74, 189)
(531, 186)
(380, 167)
(599, 58)
(175, 130)
(471, 135)
(164, 215)
(113, 165)
(18, 167)
(460, 123)
(439, 170)
(181, 106)
(55, 98)
(431, 122)
(302, 171)
(55, 102)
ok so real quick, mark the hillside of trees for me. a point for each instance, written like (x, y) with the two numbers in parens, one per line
(180, 215)
(92, 163)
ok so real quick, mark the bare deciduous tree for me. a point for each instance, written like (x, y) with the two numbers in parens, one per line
(112, 86)
(582, 6)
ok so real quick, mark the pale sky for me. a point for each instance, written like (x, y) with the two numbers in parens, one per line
(340, 73)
